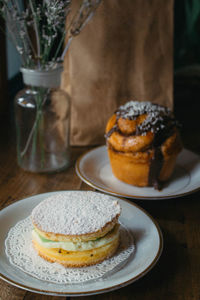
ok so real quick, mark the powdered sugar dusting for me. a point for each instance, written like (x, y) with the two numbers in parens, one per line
(135, 108)
(159, 118)
(75, 212)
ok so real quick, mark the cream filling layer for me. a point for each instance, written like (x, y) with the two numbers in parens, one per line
(78, 246)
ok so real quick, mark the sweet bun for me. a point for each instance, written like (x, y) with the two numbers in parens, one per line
(76, 228)
(143, 142)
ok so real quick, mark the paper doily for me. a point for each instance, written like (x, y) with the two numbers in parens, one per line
(22, 255)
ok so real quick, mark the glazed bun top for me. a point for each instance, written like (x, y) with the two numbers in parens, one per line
(158, 117)
(141, 119)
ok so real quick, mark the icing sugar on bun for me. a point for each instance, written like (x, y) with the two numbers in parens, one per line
(143, 143)
(76, 228)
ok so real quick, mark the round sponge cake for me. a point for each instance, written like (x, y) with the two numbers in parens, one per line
(76, 228)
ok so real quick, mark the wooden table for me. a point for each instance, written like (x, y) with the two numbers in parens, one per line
(177, 274)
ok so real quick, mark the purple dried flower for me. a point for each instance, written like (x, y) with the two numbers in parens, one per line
(47, 21)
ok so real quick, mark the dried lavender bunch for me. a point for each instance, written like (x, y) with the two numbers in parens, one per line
(37, 28)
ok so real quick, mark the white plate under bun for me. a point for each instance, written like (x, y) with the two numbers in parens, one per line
(94, 168)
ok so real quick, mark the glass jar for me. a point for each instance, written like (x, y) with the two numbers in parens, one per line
(42, 112)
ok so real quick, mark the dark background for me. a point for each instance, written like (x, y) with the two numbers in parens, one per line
(186, 33)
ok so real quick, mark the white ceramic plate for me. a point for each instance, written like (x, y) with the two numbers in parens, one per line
(94, 168)
(148, 241)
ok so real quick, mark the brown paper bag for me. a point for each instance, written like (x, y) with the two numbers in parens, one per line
(124, 53)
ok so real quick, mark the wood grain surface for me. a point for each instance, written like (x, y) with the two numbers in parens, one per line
(177, 274)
